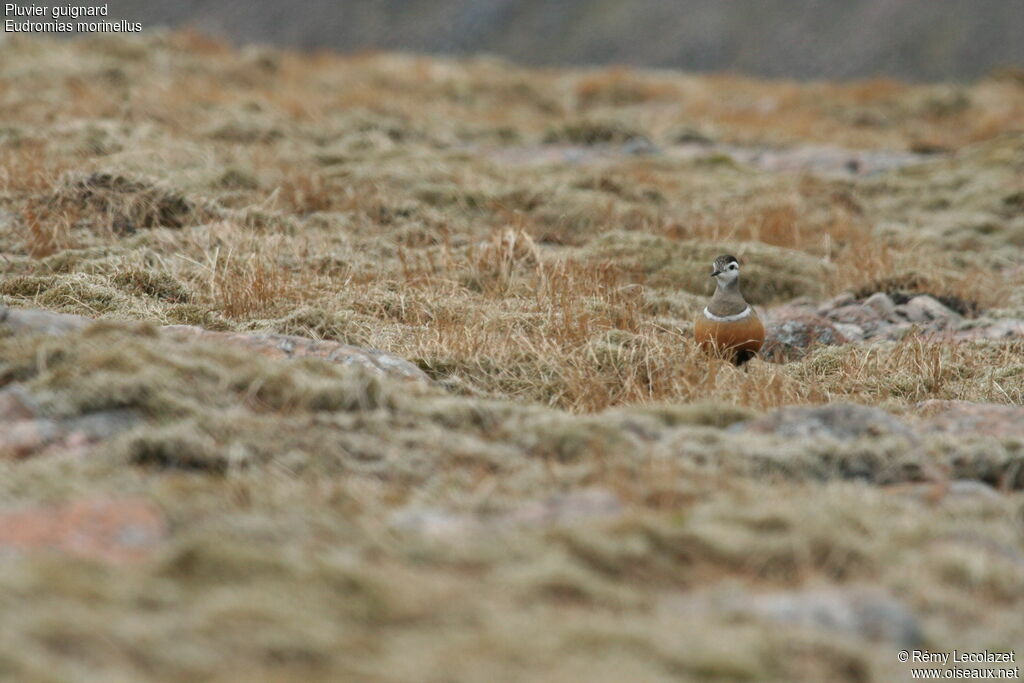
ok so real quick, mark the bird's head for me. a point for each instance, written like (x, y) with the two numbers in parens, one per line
(725, 269)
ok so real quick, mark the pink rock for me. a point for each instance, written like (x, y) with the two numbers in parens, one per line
(23, 438)
(16, 404)
(966, 417)
(791, 331)
(105, 529)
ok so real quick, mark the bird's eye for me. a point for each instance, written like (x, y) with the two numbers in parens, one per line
(733, 266)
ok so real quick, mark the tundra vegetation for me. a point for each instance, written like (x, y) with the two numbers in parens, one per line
(573, 491)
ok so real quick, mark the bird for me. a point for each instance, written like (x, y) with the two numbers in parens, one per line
(728, 326)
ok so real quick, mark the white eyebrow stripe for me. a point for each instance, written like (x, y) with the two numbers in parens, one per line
(726, 318)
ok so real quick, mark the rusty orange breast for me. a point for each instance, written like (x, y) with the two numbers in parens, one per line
(739, 335)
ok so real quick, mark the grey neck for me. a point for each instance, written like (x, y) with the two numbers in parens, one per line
(727, 299)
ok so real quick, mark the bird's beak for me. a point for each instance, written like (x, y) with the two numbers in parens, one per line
(716, 273)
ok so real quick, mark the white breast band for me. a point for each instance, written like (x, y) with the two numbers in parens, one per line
(726, 318)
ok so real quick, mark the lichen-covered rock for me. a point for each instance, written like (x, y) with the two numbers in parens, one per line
(869, 319)
(1005, 329)
(25, 321)
(927, 309)
(571, 507)
(864, 614)
(966, 417)
(25, 432)
(287, 346)
(792, 330)
(835, 420)
(879, 317)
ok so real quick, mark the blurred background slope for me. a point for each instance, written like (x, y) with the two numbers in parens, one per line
(913, 39)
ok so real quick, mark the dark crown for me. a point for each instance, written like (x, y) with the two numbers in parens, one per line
(723, 261)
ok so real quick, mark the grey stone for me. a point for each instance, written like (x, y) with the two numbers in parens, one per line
(793, 329)
(27, 321)
(856, 314)
(435, 523)
(639, 146)
(836, 420)
(844, 299)
(943, 491)
(565, 508)
(971, 488)
(881, 304)
(850, 331)
(999, 329)
(102, 425)
(925, 309)
(865, 614)
(572, 507)
(894, 332)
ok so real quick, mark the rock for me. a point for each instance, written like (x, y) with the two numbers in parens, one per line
(21, 321)
(22, 438)
(106, 529)
(879, 317)
(825, 160)
(98, 426)
(941, 491)
(285, 346)
(16, 404)
(26, 437)
(970, 488)
(996, 329)
(1005, 329)
(639, 146)
(572, 507)
(791, 331)
(856, 314)
(966, 417)
(565, 508)
(881, 304)
(435, 523)
(835, 420)
(850, 331)
(893, 332)
(24, 431)
(26, 321)
(926, 309)
(865, 614)
(844, 299)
